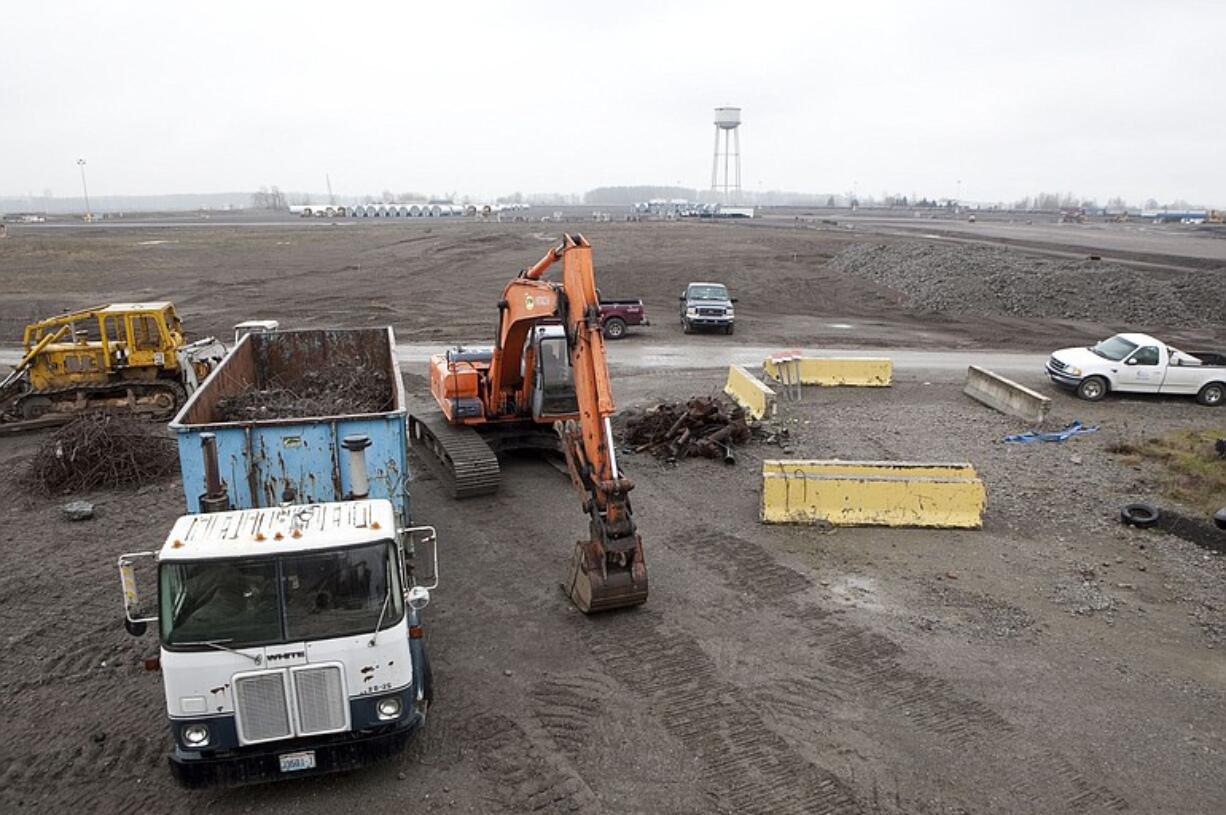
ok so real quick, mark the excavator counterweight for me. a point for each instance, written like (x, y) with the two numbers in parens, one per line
(543, 385)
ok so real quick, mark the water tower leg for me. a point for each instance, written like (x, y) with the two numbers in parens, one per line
(736, 141)
(715, 161)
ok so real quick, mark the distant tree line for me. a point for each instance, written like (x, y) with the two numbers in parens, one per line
(269, 198)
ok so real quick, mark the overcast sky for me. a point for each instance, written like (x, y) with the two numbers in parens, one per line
(1098, 98)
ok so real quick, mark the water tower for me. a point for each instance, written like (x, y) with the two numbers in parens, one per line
(727, 122)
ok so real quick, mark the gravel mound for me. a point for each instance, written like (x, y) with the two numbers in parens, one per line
(990, 281)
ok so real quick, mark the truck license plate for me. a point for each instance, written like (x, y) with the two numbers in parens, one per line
(292, 762)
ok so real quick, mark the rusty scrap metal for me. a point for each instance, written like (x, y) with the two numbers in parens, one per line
(100, 450)
(703, 427)
(345, 388)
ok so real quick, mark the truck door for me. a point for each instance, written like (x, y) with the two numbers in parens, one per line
(1142, 371)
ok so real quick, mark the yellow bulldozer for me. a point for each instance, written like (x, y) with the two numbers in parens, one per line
(129, 357)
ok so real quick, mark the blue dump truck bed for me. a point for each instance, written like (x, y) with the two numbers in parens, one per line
(265, 461)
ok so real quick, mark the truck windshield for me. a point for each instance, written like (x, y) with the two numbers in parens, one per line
(708, 293)
(289, 598)
(1115, 348)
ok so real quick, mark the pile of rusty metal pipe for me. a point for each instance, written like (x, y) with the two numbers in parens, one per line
(702, 427)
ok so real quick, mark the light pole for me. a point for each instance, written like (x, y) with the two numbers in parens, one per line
(88, 215)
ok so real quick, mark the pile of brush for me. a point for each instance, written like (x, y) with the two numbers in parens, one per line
(703, 427)
(331, 391)
(100, 451)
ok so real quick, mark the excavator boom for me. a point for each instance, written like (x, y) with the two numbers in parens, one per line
(607, 570)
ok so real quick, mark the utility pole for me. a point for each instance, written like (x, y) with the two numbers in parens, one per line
(89, 217)
(331, 197)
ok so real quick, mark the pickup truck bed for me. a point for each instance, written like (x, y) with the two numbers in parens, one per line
(617, 315)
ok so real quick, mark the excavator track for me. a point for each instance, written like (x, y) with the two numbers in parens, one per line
(459, 455)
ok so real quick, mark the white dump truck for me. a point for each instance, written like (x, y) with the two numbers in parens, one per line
(291, 637)
(1139, 363)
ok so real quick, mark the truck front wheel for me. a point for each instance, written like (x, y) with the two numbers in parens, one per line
(1092, 388)
(1212, 394)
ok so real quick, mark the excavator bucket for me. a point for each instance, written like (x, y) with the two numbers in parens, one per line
(595, 584)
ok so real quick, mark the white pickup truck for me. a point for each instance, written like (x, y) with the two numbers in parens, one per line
(1138, 363)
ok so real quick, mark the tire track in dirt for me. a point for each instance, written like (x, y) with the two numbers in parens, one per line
(525, 777)
(565, 707)
(741, 563)
(743, 763)
(79, 775)
(866, 665)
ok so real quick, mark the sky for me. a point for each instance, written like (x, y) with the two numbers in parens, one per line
(1101, 99)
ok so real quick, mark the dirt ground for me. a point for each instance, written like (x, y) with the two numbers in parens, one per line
(439, 280)
(1054, 661)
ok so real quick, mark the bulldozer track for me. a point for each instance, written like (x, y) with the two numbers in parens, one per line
(525, 777)
(744, 764)
(460, 457)
(178, 397)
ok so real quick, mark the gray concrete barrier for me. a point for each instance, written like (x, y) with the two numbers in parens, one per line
(1005, 395)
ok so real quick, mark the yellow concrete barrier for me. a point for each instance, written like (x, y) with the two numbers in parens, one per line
(872, 493)
(866, 372)
(749, 392)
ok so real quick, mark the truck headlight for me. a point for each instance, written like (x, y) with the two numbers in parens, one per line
(691, 312)
(1071, 371)
(196, 735)
(389, 707)
(730, 313)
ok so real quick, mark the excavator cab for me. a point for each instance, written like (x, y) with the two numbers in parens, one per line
(553, 380)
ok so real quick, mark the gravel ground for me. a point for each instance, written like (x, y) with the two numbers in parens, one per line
(989, 281)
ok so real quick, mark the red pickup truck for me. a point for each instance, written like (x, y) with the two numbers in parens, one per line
(617, 315)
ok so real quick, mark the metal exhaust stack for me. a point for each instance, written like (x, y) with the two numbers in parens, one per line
(359, 484)
(215, 498)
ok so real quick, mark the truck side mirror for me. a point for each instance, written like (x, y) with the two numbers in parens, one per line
(410, 538)
(1130, 361)
(732, 300)
(682, 298)
(134, 625)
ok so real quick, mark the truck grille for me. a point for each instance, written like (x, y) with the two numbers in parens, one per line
(1056, 365)
(711, 312)
(260, 701)
(320, 695)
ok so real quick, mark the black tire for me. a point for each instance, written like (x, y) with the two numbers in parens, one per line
(1219, 518)
(614, 328)
(1140, 515)
(1212, 394)
(1092, 388)
(686, 327)
(427, 677)
(730, 328)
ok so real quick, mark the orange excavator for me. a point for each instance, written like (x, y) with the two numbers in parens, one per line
(544, 385)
